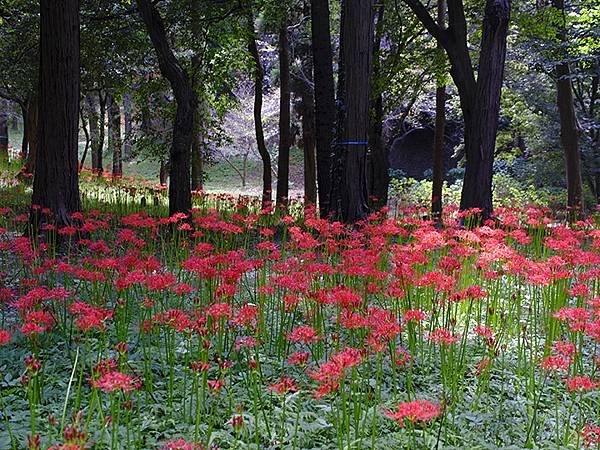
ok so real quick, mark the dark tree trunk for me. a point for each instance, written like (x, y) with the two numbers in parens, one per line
(283, 159)
(438, 140)
(479, 99)
(114, 136)
(55, 183)
(349, 197)
(31, 129)
(180, 195)
(569, 133)
(163, 173)
(308, 144)
(24, 140)
(197, 145)
(4, 130)
(128, 126)
(85, 128)
(378, 162)
(258, 127)
(324, 98)
(96, 126)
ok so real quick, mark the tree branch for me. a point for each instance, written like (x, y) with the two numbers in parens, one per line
(425, 18)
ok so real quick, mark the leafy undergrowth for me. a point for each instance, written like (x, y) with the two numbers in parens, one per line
(245, 329)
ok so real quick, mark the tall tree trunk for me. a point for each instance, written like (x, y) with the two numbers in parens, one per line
(283, 159)
(324, 98)
(163, 173)
(197, 145)
(24, 140)
(349, 198)
(197, 85)
(114, 136)
(309, 147)
(56, 179)
(378, 159)
(96, 125)
(180, 195)
(479, 98)
(31, 128)
(258, 101)
(438, 139)
(569, 132)
(3, 129)
(128, 126)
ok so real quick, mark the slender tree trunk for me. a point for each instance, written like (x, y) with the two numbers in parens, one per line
(283, 159)
(55, 183)
(438, 139)
(4, 129)
(128, 126)
(31, 128)
(569, 132)
(378, 159)
(303, 85)
(349, 198)
(197, 145)
(114, 136)
(309, 149)
(258, 127)
(197, 85)
(96, 125)
(163, 173)
(180, 195)
(480, 142)
(479, 98)
(325, 110)
(24, 140)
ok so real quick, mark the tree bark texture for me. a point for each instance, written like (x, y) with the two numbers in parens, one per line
(378, 160)
(258, 126)
(114, 136)
(180, 195)
(325, 110)
(349, 197)
(55, 183)
(283, 158)
(438, 138)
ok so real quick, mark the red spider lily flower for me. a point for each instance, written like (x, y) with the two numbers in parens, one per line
(442, 336)
(414, 315)
(579, 290)
(482, 365)
(246, 316)
(299, 358)
(416, 411)
(117, 381)
(199, 366)
(304, 334)
(564, 348)
(181, 444)
(32, 364)
(90, 317)
(555, 363)
(219, 311)
(37, 322)
(486, 333)
(216, 385)
(237, 422)
(402, 357)
(330, 373)
(160, 281)
(580, 384)
(590, 435)
(245, 342)
(576, 318)
(5, 337)
(68, 231)
(284, 386)
(34, 442)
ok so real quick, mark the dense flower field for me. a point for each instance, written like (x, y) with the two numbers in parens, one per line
(247, 329)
